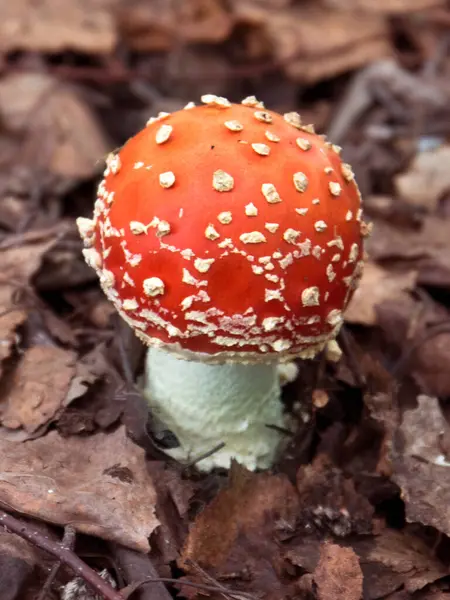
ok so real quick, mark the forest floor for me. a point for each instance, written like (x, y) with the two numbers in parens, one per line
(358, 506)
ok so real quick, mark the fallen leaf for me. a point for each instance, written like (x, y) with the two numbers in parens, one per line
(376, 286)
(249, 504)
(38, 388)
(389, 561)
(295, 35)
(404, 554)
(425, 248)
(57, 25)
(62, 135)
(17, 563)
(18, 263)
(427, 178)
(149, 26)
(420, 466)
(387, 7)
(239, 533)
(338, 574)
(17, 266)
(10, 319)
(419, 331)
(97, 483)
(425, 431)
(174, 493)
(64, 265)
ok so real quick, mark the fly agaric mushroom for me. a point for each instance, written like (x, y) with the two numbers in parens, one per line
(229, 238)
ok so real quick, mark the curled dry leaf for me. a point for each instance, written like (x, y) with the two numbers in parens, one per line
(396, 560)
(57, 25)
(62, 135)
(389, 561)
(387, 7)
(376, 286)
(421, 464)
(99, 484)
(17, 266)
(10, 319)
(64, 266)
(338, 574)
(427, 178)
(420, 332)
(295, 35)
(250, 506)
(149, 26)
(38, 388)
(426, 248)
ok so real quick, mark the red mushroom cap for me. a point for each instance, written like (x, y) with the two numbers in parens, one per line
(228, 230)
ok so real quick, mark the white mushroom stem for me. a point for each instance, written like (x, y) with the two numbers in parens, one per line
(205, 405)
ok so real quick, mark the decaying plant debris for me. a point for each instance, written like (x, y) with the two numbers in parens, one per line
(358, 505)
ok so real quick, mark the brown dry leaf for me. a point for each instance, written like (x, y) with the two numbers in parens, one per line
(92, 367)
(387, 7)
(18, 559)
(388, 561)
(395, 560)
(376, 286)
(425, 431)
(426, 248)
(39, 387)
(64, 265)
(10, 319)
(57, 25)
(407, 556)
(296, 35)
(427, 178)
(338, 574)
(174, 493)
(406, 324)
(98, 483)
(249, 508)
(158, 25)
(62, 135)
(421, 466)
(17, 265)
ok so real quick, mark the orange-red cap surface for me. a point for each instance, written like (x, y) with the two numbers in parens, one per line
(228, 230)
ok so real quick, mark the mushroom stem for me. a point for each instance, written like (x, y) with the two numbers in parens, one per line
(204, 405)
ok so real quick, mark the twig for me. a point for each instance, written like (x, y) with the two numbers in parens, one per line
(29, 237)
(68, 542)
(208, 577)
(206, 454)
(136, 566)
(129, 590)
(62, 553)
(283, 430)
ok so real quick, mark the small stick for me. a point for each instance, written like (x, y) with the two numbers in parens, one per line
(62, 553)
(206, 454)
(129, 590)
(68, 542)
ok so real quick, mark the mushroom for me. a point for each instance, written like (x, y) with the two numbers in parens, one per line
(230, 239)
